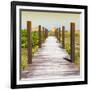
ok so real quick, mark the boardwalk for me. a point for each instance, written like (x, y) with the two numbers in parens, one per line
(49, 62)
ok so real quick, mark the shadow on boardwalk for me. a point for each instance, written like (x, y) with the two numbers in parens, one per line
(49, 62)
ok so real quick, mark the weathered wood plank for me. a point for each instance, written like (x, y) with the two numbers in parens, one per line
(49, 62)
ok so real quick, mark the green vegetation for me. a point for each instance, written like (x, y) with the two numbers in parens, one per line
(67, 44)
(35, 38)
(24, 38)
(77, 46)
(24, 58)
(24, 46)
(24, 43)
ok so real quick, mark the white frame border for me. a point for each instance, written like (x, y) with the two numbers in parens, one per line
(81, 78)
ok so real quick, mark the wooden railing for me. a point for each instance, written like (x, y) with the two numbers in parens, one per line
(41, 31)
(60, 34)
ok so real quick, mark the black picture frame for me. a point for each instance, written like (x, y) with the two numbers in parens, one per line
(13, 44)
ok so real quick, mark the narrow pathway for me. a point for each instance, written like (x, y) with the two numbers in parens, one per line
(49, 62)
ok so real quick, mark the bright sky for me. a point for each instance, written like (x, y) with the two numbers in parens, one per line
(50, 19)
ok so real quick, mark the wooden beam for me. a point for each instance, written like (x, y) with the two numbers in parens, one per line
(39, 36)
(59, 34)
(63, 37)
(43, 34)
(72, 41)
(46, 33)
(56, 33)
(29, 42)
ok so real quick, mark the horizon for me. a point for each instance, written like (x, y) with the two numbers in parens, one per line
(49, 19)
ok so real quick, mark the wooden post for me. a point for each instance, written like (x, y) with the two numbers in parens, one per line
(43, 34)
(46, 33)
(59, 34)
(63, 36)
(39, 36)
(29, 42)
(72, 41)
(56, 33)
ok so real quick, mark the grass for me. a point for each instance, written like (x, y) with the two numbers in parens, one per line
(24, 52)
(77, 46)
(24, 57)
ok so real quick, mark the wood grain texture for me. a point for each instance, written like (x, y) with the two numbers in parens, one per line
(40, 39)
(29, 41)
(72, 41)
(63, 37)
(49, 63)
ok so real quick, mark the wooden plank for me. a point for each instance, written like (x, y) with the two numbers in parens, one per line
(72, 41)
(63, 37)
(29, 42)
(49, 62)
(39, 36)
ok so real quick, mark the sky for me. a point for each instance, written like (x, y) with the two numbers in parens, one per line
(49, 19)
